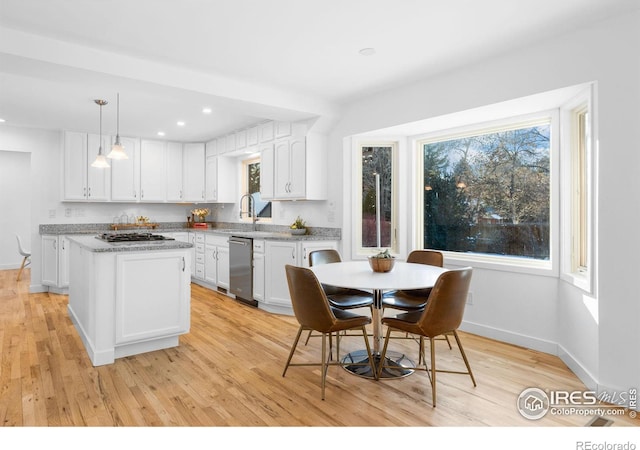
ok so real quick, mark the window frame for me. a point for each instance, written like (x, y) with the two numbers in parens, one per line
(357, 248)
(488, 261)
(583, 278)
(244, 179)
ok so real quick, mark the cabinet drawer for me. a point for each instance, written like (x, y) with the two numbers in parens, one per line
(199, 248)
(199, 258)
(258, 246)
(214, 239)
(200, 238)
(199, 271)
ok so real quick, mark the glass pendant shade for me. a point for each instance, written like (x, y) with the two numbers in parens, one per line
(101, 161)
(117, 149)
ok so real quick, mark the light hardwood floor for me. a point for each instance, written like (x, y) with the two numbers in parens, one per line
(228, 372)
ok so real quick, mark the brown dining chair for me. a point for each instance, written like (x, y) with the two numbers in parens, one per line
(314, 312)
(339, 297)
(442, 314)
(415, 299)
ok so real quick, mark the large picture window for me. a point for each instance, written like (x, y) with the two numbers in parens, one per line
(488, 192)
(251, 183)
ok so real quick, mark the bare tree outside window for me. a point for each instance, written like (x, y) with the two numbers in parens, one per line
(377, 160)
(489, 193)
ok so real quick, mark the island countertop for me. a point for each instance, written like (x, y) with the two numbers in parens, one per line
(93, 244)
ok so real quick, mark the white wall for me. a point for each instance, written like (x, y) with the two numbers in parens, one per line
(15, 210)
(543, 311)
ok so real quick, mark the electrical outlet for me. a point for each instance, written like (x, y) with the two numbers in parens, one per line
(470, 298)
(67, 212)
(52, 213)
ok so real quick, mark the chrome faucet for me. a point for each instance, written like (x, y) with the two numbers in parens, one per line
(251, 208)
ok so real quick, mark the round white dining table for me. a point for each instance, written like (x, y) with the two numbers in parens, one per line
(359, 275)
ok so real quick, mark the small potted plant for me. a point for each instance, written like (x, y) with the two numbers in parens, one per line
(298, 226)
(382, 262)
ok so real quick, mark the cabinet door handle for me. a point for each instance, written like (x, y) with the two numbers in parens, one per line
(84, 191)
(141, 193)
(202, 195)
(89, 191)
(184, 264)
(55, 245)
(134, 194)
(62, 244)
(293, 253)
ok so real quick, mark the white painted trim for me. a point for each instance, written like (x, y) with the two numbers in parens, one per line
(510, 337)
(38, 288)
(577, 368)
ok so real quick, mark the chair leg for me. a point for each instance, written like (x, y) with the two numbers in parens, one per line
(293, 349)
(325, 365)
(464, 357)
(24, 260)
(446, 337)
(433, 371)
(374, 371)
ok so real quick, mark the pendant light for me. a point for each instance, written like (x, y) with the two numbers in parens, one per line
(117, 149)
(101, 161)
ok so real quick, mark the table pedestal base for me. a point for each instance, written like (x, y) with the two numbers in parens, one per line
(401, 365)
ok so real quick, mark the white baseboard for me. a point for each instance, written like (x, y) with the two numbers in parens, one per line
(37, 288)
(577, 368)
(9, 266)
(510, 337)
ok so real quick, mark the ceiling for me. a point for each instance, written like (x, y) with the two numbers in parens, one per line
(248, 60)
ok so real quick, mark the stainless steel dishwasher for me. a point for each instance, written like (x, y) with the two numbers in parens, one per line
(241, 269)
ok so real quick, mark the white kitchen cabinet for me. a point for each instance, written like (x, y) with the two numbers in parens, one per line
(252, 136)
(55, 262)
(266, 132)
(145, 311)
(153, 182)
(175, 175)
(230, 145)
(277, 255)
(200, 257)
(81, 181)
(258, 270)
(221, 179)
(281, 129)
(266, 171)
(211, 148)
(194, 172)
(216, 265)
(295, 168)
(241, 139)
(125, 173)
(290, 168)
(50, 260)
(221, 145)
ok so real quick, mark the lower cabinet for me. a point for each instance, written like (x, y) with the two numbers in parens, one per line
(211, 260)
(277, 255)
(258, 270)
(55, 263)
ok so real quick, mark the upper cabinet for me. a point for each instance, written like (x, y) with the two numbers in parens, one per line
(266, 132)
(193, 172)
(125, 173)
(175, 176)
(81, 181)
(153, 181)
(294, 168)
(221, 179)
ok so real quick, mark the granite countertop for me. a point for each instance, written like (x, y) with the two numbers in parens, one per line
(96, 245)
(268, 232)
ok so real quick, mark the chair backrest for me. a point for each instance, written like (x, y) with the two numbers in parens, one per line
(310, 304)
(325, 256)
(428, 257)
(445, 307)
(21, 249)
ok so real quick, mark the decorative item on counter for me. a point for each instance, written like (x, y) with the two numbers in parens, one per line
(189, 221)
(298, 227)
(200, 213)
(382, 262)
(142, 220)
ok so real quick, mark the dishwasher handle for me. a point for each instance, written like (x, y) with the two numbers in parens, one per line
(239, 242)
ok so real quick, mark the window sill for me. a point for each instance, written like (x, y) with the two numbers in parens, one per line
(580, 280)
(505, 264)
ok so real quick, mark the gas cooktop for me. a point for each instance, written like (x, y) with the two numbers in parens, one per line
(132, 237)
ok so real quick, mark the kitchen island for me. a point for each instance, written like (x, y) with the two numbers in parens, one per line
(128, 298)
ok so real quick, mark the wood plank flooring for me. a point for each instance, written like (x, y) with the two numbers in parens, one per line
(227, 372)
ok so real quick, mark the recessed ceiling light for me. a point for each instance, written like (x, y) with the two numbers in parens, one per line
(160, 133)
(2, 120)
(206, 110)
(367, 51)
(180, 123)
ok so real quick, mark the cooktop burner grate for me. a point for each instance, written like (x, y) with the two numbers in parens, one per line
(132, 237)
